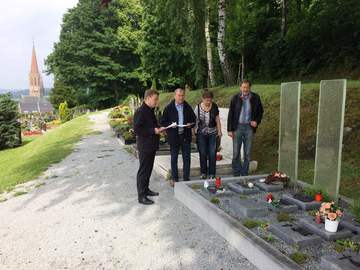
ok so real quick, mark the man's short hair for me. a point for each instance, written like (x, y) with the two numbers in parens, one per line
(245, 81)
(150, 93)
(179, 89)
(207, 93)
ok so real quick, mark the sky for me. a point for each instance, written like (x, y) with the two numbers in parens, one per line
(21, 22)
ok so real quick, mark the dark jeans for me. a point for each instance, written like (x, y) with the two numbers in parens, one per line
(174, 152)
(242, 136)
(207, 151)
(146, 159)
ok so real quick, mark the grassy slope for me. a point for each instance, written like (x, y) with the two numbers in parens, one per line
(37, 154)
(266, 140)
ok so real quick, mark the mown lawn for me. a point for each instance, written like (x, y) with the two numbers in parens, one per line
(38, 153)
(266, 140)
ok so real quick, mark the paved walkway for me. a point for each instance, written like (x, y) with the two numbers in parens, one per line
(87, 217)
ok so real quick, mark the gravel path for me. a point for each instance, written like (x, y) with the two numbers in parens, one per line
(86, 216)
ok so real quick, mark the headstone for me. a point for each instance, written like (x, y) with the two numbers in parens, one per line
(248, 208)
(341, 262)
(289, 128)
(294, 234)
(269, 187)
(330, 135)
(319, 229)
(302, 205)
(241, 189)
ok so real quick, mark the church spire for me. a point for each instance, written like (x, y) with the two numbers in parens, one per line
(34, 65)
(36, 85)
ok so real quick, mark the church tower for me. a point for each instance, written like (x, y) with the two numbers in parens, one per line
(36, 84)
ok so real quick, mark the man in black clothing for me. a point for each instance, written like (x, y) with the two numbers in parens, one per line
(180, 112)
(245, 114)
(147, 130)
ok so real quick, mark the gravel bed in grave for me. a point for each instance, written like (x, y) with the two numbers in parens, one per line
(313, 252)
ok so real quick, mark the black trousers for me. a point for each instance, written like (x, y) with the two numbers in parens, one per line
(146, 159)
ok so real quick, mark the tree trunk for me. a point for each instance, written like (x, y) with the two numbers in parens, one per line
(211, 75)
(224, 62)
(284, 17)
(241, 73)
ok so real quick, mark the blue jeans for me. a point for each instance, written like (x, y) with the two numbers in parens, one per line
(207, 152)
(243, 135)
(174, 152)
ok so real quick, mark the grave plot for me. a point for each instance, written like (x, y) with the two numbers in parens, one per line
(243, 188)
(294, 234)
(269, 187)
(282, 206)
(302, 201)
(340, 262)
(319, 229)
(351, 224)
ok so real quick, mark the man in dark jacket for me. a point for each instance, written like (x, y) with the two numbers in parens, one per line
(245, 114)
(147, 130)
(180, 112)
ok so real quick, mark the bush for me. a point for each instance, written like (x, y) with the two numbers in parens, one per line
(298, 257)
(10, 127)
(65, 113)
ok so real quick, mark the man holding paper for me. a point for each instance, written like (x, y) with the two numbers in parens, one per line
(147, 131)
(179, 118)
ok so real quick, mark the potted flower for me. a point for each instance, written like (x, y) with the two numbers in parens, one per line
(318, 196)
(332, 214)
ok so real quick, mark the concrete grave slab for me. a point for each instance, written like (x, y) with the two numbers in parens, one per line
(302, 205)
(319, 229)
(294, 234)
(349, 223)
(269, 187)
(338, 263)
(248, 208)
(240, 189)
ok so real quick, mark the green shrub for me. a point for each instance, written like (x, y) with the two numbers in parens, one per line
(65, 113)
(128, 135)
(298, 257)
(215, 200)
(342, 244)
(10, 127)
(282, 217)
(251, 223)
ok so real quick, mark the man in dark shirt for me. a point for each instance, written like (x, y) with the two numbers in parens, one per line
(180, 112)
(147, 130)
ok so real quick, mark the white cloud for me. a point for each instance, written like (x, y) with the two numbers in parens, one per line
(20, 22)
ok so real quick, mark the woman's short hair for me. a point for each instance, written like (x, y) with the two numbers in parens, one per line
(150, 93)
(207, 93)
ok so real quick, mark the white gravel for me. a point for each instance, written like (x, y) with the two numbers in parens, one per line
(86, 216)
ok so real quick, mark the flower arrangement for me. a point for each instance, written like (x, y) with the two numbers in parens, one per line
(277, 176)
(331, 213)
(330, 210)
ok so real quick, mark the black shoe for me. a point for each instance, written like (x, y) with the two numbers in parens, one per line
(152, 193)
(145, 200)
(186, 179)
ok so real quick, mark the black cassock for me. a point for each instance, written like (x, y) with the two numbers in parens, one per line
(147, 143)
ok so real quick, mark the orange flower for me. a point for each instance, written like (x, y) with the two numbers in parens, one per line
(332, 216)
